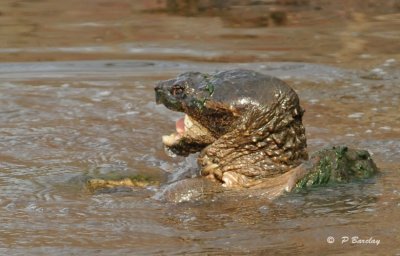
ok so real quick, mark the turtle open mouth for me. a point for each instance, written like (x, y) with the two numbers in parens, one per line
(190, 137)
(183, 125)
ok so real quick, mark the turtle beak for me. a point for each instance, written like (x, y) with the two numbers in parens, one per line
(165, 98)
(158, 91)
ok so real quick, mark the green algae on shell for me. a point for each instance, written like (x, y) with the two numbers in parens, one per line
(338, 164)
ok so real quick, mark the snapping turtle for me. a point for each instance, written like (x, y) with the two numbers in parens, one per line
(248, 129)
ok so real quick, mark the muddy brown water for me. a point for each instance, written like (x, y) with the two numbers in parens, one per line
(76, 98)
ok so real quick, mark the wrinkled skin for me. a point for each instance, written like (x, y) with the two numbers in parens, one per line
(248, 129)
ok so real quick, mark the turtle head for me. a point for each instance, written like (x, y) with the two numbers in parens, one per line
(186, 93)
(190, 93)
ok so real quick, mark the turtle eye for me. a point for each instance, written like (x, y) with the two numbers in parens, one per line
(177, 90)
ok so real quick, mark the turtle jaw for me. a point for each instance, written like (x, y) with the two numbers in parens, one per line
(190, 137)
(183, 125)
